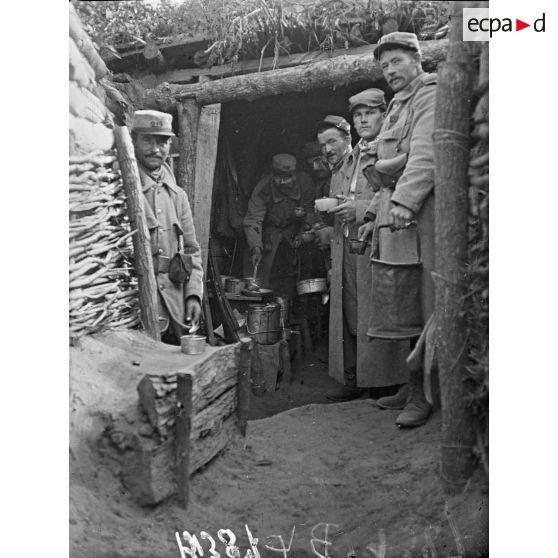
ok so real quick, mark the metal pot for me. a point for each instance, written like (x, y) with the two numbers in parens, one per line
(308, 286)
(263, 323)
(357, 246)
(233, 285)
(192, 344)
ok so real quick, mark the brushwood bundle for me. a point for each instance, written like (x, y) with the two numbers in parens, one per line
(103, 285)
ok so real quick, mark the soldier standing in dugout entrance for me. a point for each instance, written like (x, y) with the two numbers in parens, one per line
(354, 361)
(405, 168)
(170, 224)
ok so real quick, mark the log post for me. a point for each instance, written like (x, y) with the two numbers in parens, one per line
(154, 58)
(143, 261)
(243, 386)
(182, 436)
(451, 158)
(188, 121)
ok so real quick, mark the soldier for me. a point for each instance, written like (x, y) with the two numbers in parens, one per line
(281, 205)
(406, 157)
(353, 360)
(170, 224)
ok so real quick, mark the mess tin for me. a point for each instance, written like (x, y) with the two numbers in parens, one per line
(357, 246)
(192, 344)
(325, 204)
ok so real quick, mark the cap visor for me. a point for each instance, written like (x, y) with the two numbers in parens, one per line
(150, 132)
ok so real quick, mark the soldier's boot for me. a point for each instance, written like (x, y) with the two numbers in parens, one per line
(394, 402)
(417, 409)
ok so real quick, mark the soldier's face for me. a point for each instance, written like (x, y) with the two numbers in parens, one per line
(151, 150)
(400, 67)
(334, 144)
(368, 121)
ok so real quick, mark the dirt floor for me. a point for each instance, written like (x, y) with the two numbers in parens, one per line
(337, 472)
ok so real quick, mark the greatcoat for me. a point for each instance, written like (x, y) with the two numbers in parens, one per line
(378, 363)
(167, 211)
(270, 218)
(406, 141)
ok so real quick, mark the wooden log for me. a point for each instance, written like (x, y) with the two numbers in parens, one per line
(182, 436)
(451, 157)
(210, 419)
(85, 45)
(188, 120)
(213, 376)
(154, 58)
(206, 155)
(143, 262)
(331, 73)
(243, 386)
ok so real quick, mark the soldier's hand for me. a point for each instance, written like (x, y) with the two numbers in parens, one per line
(193, 310)
(364, 231)
(346, 211)
(400, 217)
(256, 256)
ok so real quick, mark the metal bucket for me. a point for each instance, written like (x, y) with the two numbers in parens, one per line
(263, 323)
(395, 297)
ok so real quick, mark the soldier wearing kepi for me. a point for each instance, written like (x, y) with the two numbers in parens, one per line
(170, 224)
(406, 167)
(353, 359)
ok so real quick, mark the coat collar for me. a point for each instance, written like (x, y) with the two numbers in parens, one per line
(422, 79)
(166, 178)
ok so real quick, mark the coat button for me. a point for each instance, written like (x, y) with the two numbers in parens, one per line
(160, 250)
(162, 287)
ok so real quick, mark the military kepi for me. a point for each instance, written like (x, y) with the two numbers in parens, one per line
(368, 98)
(152, 122)
(333, 121)
(283, 163)
(395, 40)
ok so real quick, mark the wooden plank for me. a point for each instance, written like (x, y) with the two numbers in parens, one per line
(243, 385)
(205, 449)
(206, 155)
(188, 121)
(143, 262)
(212, 417)
(182, 436)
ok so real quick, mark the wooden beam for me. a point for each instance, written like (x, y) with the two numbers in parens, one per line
(334, 72)
(154, 58)
(243, 386)
(143, 262)
(85, 45)
(188, 121)
(206, 155)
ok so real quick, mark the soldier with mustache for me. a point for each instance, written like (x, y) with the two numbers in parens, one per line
(170, 224)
